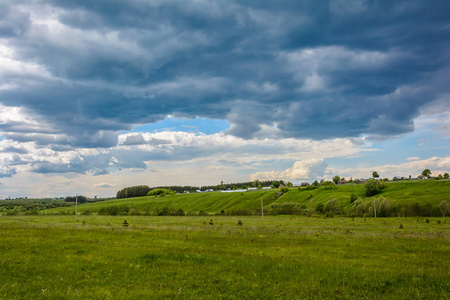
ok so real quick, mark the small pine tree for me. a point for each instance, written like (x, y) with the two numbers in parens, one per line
(239, 223)
(125, 223)
(211, 222)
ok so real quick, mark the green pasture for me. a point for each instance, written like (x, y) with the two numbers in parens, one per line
(422, 192)
(278, 257)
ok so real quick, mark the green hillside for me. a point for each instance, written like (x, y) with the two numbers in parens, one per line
(425, 193)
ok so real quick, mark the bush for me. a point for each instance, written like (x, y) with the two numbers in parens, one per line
(284, 189)
(109, 211)
(285, 209)
(320, 207)
(372, 187)
(160, 192)
(328, 185)
(180, 212)
(134, 212)
(353, 197)
(332, 208)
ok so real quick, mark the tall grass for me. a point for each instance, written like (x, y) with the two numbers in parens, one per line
(285, 257)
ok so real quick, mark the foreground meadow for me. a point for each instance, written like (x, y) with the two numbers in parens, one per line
(292, 257)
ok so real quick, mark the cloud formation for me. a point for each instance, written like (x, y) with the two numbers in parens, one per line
(142, 150)
(302, 170)
(315, 169)
(437, 165)
(305, 69)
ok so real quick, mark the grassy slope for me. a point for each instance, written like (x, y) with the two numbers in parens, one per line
(405, 192)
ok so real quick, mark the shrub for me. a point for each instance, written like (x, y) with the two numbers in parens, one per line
(332, 207)
(328, 185)
(110, 210)
(320, 207)
(164, 212)
(353, 197)
(372, 187)
(86, 212)
(160, 192)
(285, 209)
(180, 212)
(284, 189)
(134, 212)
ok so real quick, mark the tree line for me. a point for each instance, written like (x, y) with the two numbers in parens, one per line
(143, 190)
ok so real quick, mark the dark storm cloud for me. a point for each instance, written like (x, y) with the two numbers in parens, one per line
(312, 69)
(12, 22)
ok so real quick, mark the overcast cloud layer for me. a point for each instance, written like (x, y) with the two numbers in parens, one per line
(312, 69)
(75, 75)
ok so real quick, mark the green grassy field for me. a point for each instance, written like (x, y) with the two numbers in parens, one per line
(423, 192)
(282, 257)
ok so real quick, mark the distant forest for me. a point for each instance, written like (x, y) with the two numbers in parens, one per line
(142, 190)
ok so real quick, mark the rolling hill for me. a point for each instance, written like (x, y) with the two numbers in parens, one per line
(428, 193)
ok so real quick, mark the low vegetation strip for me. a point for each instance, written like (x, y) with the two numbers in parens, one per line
(285, 257)
(403, 198)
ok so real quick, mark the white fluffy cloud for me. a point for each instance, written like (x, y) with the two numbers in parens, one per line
(437, 165)
(317, 168)
(302, 170)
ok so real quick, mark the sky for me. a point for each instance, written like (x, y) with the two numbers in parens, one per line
(99, 95)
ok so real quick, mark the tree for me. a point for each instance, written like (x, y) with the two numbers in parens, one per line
(375, 174)
(332, 207)
(289, 184)
(336, 179)
(81, 199)
(276, 184)
(445, 175)
(426, 173)
(372, 187)
(315, 183)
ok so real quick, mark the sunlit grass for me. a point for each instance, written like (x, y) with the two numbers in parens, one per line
(185, 257)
